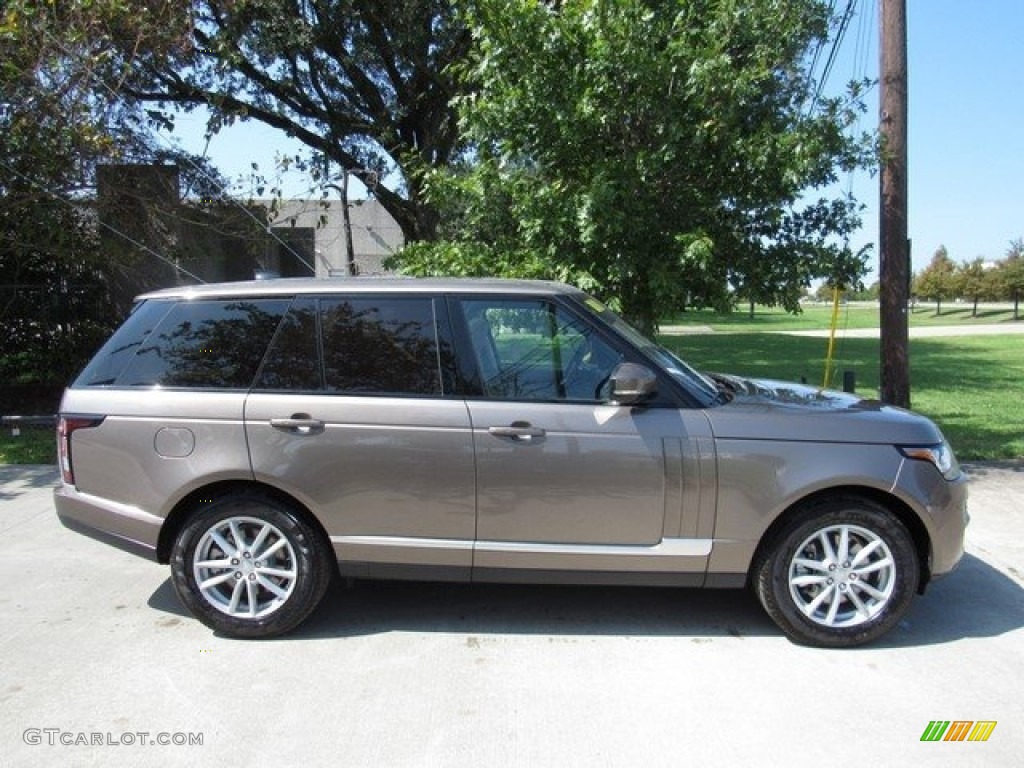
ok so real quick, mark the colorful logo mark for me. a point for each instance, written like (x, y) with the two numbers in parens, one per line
(958, 730)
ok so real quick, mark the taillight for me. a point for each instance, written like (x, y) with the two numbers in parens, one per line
(66, 427)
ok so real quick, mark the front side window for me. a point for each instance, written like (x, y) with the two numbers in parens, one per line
(536, 350)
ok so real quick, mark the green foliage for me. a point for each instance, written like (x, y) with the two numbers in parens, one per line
(58, 122)
(973, 282)
(964, 384)
(664, 150)
(365, 84)
(937, 281)
(1008, 276)
(32, 446)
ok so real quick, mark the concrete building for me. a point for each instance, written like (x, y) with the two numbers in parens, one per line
(155, 239)
(307, 238)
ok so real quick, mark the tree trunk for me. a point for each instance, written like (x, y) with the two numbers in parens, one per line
(417, 220)
(638, 308)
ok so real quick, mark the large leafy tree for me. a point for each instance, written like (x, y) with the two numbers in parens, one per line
(660, 150)
(367, 85)
(61, 116)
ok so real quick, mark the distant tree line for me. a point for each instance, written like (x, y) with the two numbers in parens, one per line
(944, 279)
(973, 281)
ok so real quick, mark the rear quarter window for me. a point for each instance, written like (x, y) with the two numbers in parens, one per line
(203, 344)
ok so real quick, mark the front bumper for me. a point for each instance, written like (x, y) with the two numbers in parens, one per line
(944, 515)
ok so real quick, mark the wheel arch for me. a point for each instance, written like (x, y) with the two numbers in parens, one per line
(893, 504)
(191, 503)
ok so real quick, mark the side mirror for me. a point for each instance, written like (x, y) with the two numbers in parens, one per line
(632, 384)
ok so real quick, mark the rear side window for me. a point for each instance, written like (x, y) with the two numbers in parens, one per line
(208, 344)
(380, 346)
(376, 345)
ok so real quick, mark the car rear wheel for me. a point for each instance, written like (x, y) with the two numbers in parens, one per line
(249, 566)
(841, 573)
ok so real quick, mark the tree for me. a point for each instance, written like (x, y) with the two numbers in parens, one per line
(661, 151)
(58, 123)
(937, 281)
(973, 282)
(1009, 276)
(365, 84)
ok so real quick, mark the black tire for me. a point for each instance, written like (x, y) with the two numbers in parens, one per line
(250, 594)
(827, 600)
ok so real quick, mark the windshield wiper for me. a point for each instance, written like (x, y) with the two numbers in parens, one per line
(726, 387)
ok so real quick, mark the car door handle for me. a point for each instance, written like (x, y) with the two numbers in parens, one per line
(518, 430)
(299, 424)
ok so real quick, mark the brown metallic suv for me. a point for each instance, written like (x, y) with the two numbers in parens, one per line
(261, 437)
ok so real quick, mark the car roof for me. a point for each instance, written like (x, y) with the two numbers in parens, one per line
(290, 286)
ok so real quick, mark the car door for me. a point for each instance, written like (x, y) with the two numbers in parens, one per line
(361, 423)
(566, 481)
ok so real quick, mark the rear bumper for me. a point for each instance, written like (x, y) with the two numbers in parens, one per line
(119, 525)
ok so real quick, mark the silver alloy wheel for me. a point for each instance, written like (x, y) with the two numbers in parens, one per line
(842, 576)
(245, 567)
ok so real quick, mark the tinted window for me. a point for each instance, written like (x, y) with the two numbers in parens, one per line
(206, 344)
(535, 350)
(119, 350)
(380, 345)
(293, 361)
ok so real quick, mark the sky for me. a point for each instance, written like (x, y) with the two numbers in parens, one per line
(965, 142)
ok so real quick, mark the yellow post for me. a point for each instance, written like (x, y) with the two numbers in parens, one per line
(832, 337)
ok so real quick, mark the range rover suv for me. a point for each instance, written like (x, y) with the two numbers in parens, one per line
(263, 437)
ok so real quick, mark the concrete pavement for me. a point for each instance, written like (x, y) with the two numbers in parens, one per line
(95, 646)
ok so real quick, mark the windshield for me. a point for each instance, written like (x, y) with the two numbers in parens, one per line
(685, 374)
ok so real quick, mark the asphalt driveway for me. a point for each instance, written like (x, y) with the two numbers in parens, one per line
(101, 666)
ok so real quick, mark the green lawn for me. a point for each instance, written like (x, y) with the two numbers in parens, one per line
(31, 446)
(819, 316)
(967, 385)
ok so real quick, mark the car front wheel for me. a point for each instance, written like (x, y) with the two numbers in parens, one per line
(841, 573)
(250, 566)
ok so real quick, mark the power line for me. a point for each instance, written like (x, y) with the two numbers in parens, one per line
(844, 24)
(156, 132)
(145, 248)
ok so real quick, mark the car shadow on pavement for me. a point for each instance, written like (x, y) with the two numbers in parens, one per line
(374, 607)
(979, 470)
(354, 609)
(975, 601)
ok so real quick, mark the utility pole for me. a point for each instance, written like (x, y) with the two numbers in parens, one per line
(894, 266)
(350, 252)
(346, 220)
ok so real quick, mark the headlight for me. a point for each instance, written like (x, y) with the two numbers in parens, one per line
(940, 455)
